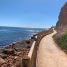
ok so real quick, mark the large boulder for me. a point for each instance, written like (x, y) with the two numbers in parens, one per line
(3, 55)
(1, 61)
(8, 51)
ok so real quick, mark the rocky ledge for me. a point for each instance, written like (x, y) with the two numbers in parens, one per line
(12, 55)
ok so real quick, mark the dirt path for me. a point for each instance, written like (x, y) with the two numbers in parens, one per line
(49, 55)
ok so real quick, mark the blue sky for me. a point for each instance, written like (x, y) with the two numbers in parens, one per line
(30, 13)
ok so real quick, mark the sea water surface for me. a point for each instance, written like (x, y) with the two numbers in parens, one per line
(9, 35)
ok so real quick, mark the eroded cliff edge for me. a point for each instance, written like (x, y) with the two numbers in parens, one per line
(61, 25)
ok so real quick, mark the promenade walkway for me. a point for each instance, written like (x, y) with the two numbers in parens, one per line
(49, 54)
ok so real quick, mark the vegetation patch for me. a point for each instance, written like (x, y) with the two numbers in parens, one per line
(62, 41)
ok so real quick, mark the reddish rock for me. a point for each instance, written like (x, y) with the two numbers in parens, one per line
(3, 56)
(28, 42)
(62, 22)
(2, 61)
(28, 46)
(8, 51)
(14, 53)
(61, 25)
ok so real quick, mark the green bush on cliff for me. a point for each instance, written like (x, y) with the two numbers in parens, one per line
(62, 41)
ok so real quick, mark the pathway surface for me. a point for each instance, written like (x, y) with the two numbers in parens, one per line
(49, 54)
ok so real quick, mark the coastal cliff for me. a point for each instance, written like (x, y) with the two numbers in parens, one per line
(61, 25)
(62, 22)
(61, 28)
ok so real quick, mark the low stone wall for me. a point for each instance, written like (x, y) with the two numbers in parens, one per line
(28, 60)
(41, 34)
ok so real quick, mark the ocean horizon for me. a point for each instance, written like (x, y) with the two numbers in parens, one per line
(8, 35)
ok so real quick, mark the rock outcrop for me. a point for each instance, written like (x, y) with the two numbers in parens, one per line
(1, 61)
(61, 25)
(62, 22)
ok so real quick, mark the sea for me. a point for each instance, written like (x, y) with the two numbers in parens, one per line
(8, 35)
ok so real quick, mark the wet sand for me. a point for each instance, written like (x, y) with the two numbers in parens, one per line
(49, 54)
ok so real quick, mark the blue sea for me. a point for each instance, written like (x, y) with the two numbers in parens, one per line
(9, 35)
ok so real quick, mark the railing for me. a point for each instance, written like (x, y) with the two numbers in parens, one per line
(28, 60)
(41, 34)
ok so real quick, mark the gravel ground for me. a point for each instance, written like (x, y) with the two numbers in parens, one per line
(49, 54)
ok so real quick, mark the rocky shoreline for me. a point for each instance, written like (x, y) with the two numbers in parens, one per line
(11, 55)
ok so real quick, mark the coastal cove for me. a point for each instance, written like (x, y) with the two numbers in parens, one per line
(9, 35)
(16, 55)
(33, 33)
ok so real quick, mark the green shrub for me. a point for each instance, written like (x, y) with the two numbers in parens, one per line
(62, 42)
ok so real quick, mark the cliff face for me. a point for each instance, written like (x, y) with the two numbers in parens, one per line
(62, 22)
(61, 25)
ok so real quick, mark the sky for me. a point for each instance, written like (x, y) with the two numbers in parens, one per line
(30, 13)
